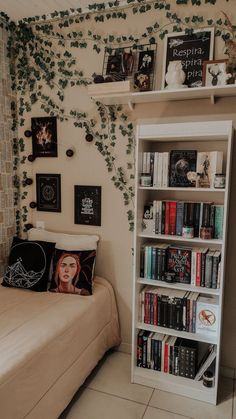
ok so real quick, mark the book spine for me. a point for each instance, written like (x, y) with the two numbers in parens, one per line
(155, 169)
(159, 170)
(167, 218)
(196, 218)
(159, 265)
(198, 269)
(142, 255)
(163, 216)
(179, 218)
(172, 218)
(153, 270)
(144, 352)
(215, 265)
(218, 222)
(166, 357)
(139, 348)
(202, 284)
(152, 167)
(193, 267)
(208, 270)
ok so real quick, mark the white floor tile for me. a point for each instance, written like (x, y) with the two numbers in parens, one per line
(95, 405)
(153, 413)
(114, 377)
(193, 408)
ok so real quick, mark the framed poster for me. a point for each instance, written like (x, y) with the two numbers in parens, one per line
(192, 50)
(44, 136)
(48, 190)
(215, 73)
(88, 205)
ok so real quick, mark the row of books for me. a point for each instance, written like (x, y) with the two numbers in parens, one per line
(196, 266)
(171, 217)
(172, 355)
(175, 309)
(182, 168)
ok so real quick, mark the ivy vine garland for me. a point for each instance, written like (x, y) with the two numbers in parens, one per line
(38, 49)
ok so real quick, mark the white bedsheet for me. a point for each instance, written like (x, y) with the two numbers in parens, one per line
(49, 343)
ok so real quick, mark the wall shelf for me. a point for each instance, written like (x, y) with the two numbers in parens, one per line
(178, 286)
(132, 98)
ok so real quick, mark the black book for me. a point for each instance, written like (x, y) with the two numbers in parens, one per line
(164, 310)
(196, 218)
(206, 214)
(181, 163)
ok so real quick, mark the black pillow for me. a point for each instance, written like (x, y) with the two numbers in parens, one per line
(28, 264)
(73, 271)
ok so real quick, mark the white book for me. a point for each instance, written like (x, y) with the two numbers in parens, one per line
(155, 169)
(154, 215)
(207, 315)
(148, 162)
(159, 170)
(165, 164)
(208, 164)
(144, 166)
(193, 267)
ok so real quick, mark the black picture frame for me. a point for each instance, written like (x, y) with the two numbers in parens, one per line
(48, 191)
(146, 61)
(87, 204)
(44, 136)
(192, 50)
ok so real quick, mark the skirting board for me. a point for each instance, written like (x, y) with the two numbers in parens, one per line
(224, 371)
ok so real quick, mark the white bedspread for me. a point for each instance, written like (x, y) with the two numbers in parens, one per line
(48, 345)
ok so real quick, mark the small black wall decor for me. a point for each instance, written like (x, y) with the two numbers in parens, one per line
(88, 205)
(192, 50)
(44, 136)
(48, 192)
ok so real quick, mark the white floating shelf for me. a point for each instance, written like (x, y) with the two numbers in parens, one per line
(180, 238)
(172, 332)
(177, 286)
(130, 98)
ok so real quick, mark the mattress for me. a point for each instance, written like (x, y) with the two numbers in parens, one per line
(49, 343)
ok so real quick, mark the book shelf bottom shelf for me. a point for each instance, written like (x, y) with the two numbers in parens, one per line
(173, 384)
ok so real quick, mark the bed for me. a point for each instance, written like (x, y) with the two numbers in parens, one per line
(49, 343)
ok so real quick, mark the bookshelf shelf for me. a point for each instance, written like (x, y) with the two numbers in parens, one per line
(208, 190)
(163, 138)
(168, 237)
(177, 286)
(173, 332)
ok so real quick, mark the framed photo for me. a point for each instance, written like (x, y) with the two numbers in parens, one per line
(192, 50)
(142, 81)
(88, 205)
(146, 61)
(48, 190)
(44, 136)
(114, 63)
(215, 73)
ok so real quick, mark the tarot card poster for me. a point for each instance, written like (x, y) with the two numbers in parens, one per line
(48, 192)
(44, 136)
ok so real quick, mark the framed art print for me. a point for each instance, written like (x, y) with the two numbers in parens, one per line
(215, 73)
(192, 50)
(88, 205)
(48, 189)
(44, 136)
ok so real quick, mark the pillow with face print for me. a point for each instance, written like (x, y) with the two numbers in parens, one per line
(73, 271)
(28, 264)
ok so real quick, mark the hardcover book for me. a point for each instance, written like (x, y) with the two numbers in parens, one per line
(179, 263)
(182, 163)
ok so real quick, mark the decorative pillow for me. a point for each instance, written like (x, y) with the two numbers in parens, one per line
(65, 241)
(73, 271)
(28, 264)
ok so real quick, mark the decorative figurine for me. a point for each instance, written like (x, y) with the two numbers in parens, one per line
(175, 75)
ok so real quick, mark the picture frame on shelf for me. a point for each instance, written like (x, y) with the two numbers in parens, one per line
(215, 73)
(192, 49)
(146, 61)
(44, 136)
(48, 191)
(87, 201)
(142, 81)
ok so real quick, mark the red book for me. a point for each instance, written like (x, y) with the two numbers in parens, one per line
(155, 310)
(198, 268)
(172, 217)
(167, 218)
(166, 356)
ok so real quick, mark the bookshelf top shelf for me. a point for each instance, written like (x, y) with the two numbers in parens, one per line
(153, 188)
(132, 98)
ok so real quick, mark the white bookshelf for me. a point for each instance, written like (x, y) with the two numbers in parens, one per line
(200, 136)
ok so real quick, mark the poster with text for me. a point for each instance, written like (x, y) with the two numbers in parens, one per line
(88, 205)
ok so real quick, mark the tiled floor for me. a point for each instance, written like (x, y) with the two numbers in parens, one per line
(108, 394)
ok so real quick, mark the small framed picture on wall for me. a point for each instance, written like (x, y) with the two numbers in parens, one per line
(88, 205)
(48, 190)
(44, 136)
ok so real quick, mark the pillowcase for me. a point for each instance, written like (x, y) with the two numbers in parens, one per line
(73, 271)
(65, 241)
(28, 264)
